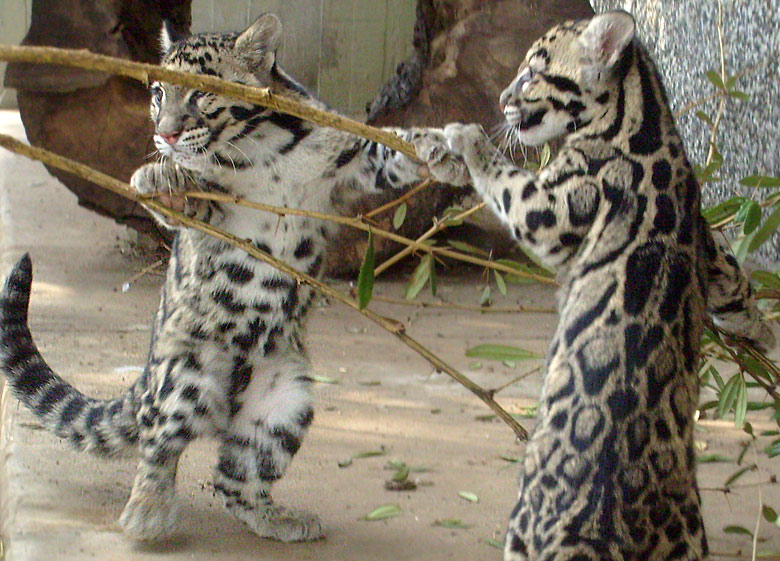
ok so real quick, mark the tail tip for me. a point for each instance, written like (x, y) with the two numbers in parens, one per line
(20, 277)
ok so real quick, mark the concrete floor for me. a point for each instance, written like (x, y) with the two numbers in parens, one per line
(60, 505)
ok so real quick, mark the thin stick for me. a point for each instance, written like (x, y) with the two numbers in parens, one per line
(147, 73)
(448, 306)
(522, 376)
(356, 223)
(431, 232)
(389, 324)
(395, 202)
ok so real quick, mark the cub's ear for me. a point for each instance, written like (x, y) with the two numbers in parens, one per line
(169, 36)
(258, 44)
(605, 39)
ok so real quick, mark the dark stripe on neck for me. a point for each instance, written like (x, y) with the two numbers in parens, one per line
(647, 139)
(287, 82)
(621, 71)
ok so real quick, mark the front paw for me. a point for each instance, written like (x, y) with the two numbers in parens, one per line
(167, 184)
(465, 140)
(443, 165)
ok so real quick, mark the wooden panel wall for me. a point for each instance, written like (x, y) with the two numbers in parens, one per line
(342, 49)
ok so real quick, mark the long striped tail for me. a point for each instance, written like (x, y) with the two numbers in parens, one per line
(103, 427)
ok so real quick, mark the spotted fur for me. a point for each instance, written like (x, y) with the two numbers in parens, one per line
(227, 356)
(609, 471)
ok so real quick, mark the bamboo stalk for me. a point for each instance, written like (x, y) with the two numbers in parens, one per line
(391, 325)
(147, 73)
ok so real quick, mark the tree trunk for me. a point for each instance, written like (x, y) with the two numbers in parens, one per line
(100, 120)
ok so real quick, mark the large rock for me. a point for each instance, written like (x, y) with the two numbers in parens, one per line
(683, 38)
(466, 52)
(97, 119)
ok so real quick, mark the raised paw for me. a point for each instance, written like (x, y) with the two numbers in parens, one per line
(150, 514)
(443, 165)
(279, 523)
(464, 140)
(167, 183)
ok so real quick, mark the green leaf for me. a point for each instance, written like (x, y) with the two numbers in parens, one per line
(500, 282)
(527, 412)
(511, 459)
(495, 543)
(704, 117)
(770, 515)
(432, 273)
(740, 404)
(468, 248)
(420, 276)
(384, 512)
(740, 95)
(545, 156)
(737, 530)
(716, 376)
(760, 181)
(769, 280)
(715, 79)
(449, 216)
(523, 268)
(731, 82)
(484, 300)
(766, 230)
(773, 449)
(712, 458)
(395, 464)
(728, 396)
(365, 286)
(501, 352)
(469, 496)
(723, 210)
(370, 453)
(716, 161)
(749, 214)
(745, 446)
(736, 475)
(742, 245)
(402, 474)
(452, 524)
(399, 216)
(323, 379)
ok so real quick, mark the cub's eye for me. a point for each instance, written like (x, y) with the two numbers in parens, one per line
(525, 77)
(157, 93)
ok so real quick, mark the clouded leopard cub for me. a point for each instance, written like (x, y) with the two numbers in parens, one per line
(609, 470)
(226, 356)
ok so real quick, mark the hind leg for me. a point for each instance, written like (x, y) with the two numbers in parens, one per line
(266, 431)
(170, 417)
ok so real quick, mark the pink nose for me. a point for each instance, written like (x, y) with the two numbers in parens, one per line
(170, 138)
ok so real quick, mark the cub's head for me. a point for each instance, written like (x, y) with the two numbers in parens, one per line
(191, 125)
(567, 78)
